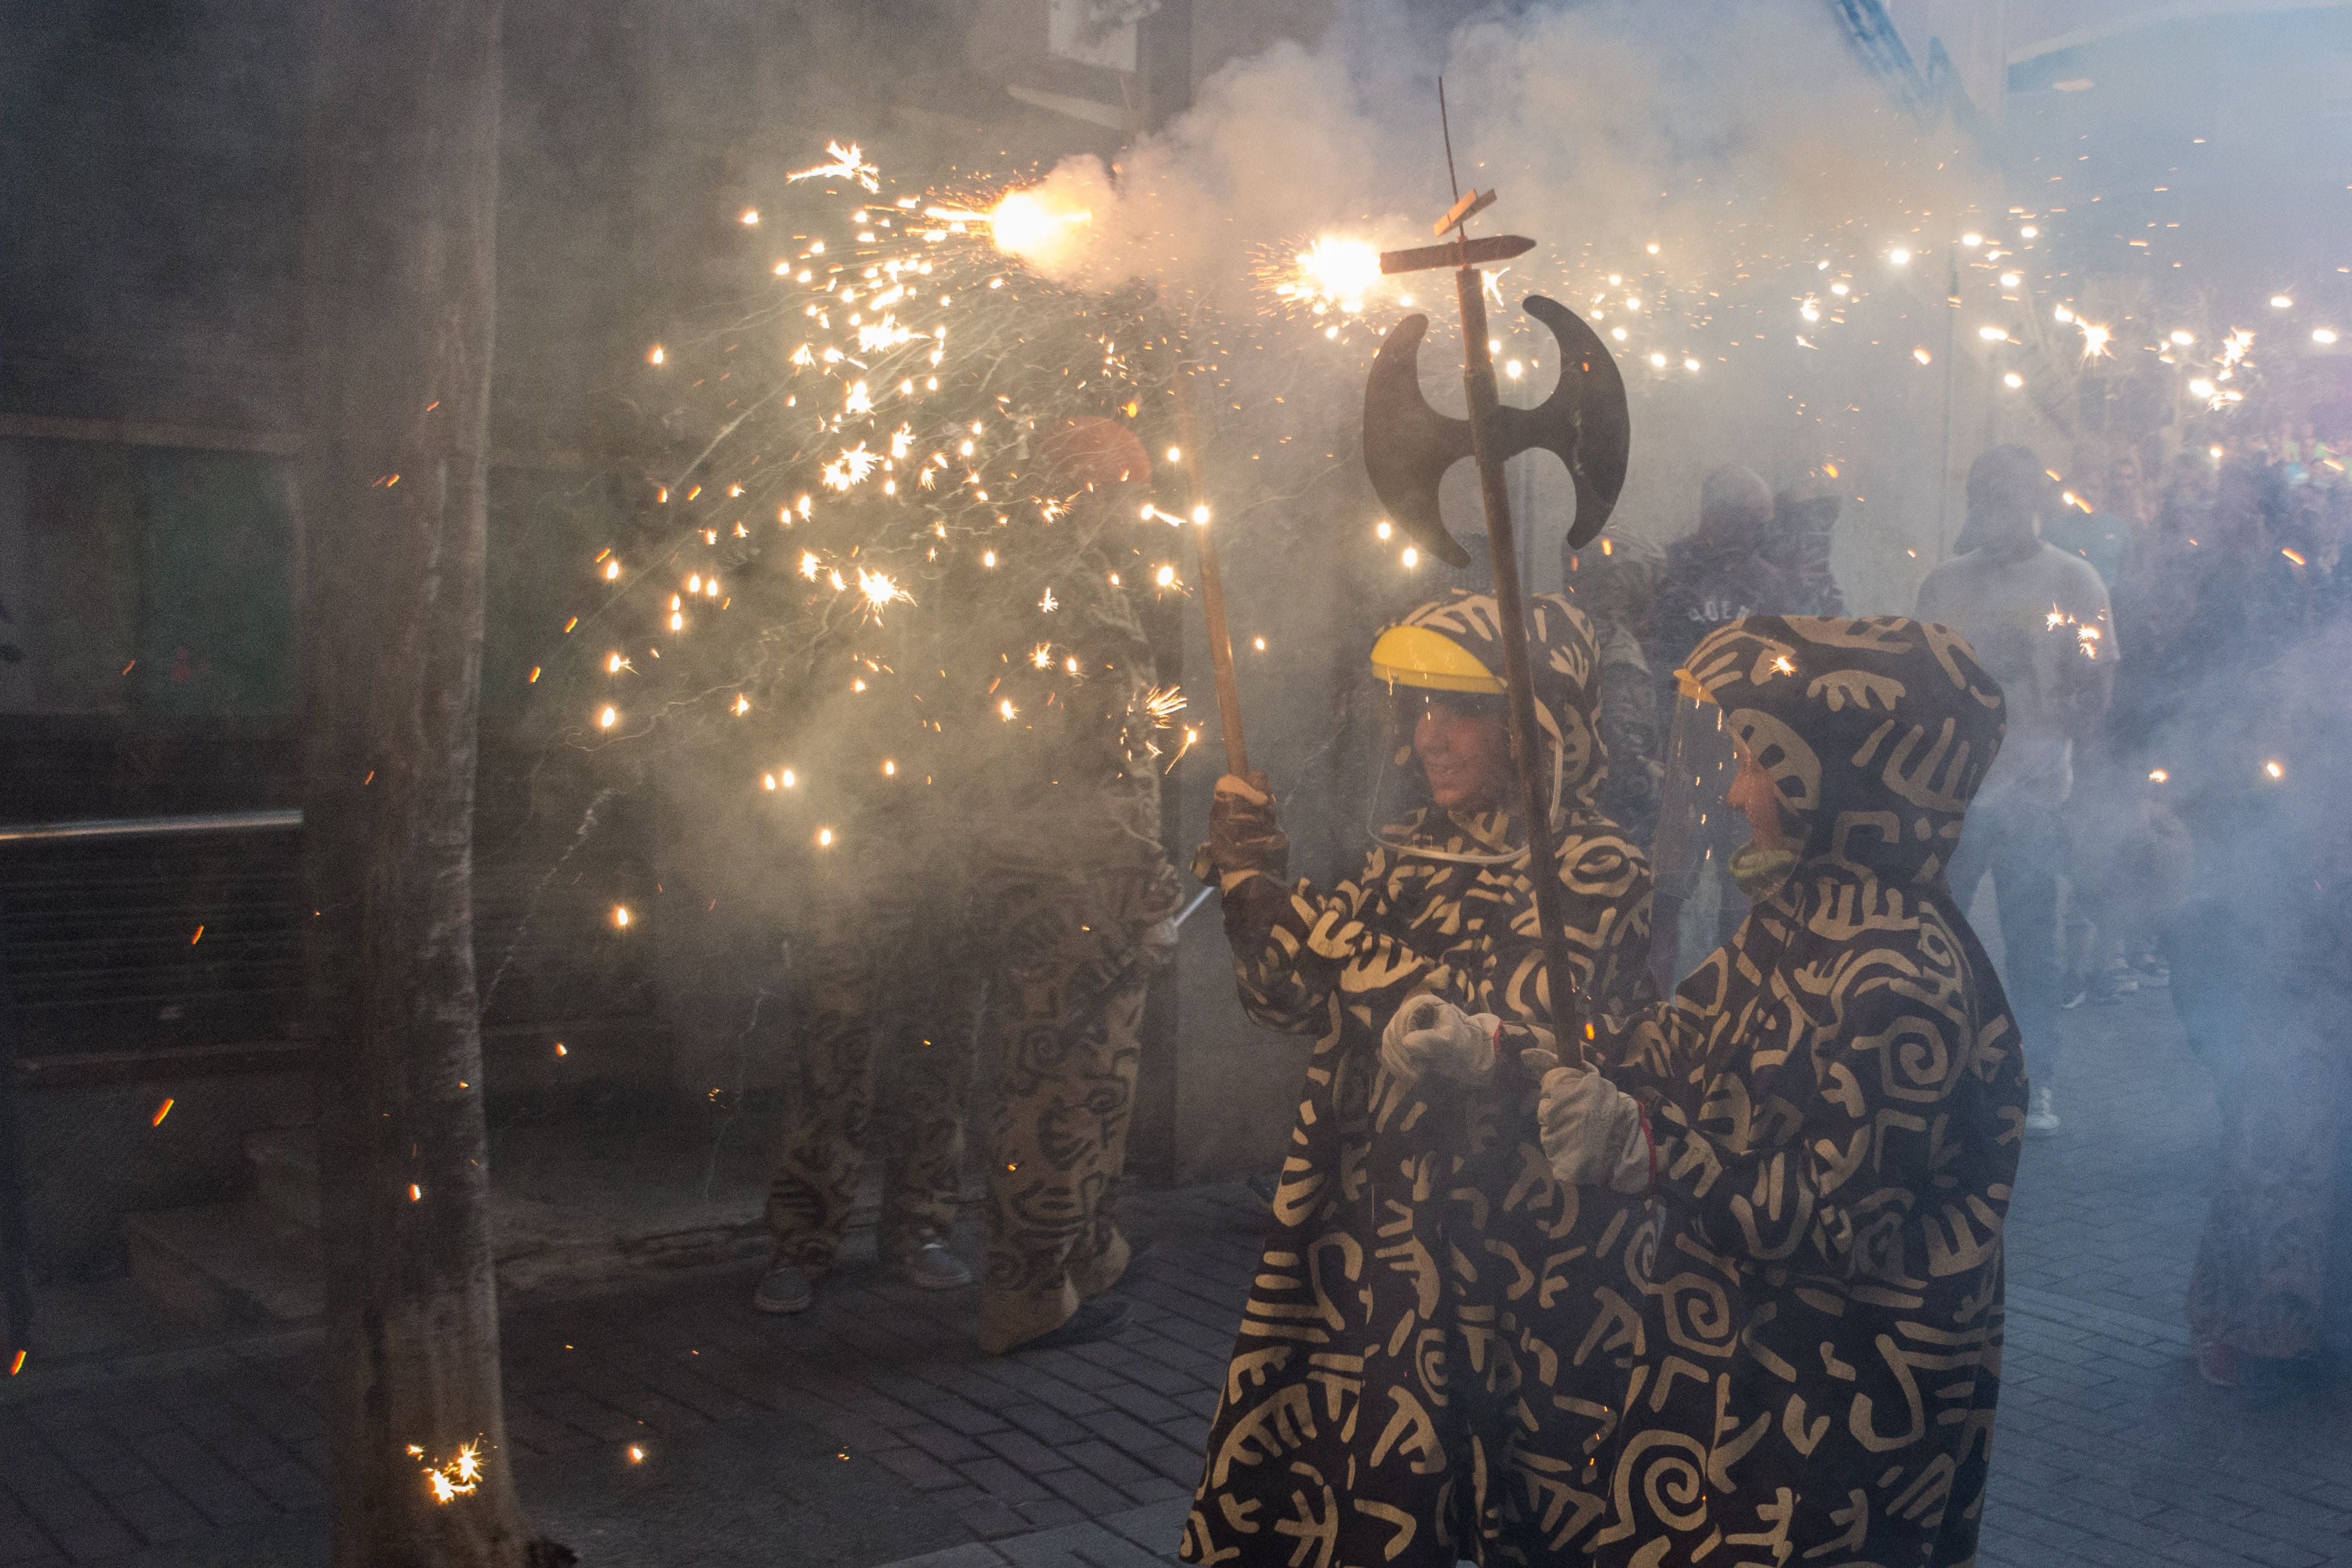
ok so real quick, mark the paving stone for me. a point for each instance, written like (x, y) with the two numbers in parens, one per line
(948, 1448)
(919, 1468)
(1002, 1481)
(158, 1515)
(1097, 1498)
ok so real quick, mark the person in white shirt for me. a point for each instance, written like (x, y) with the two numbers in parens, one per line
(2040, 620)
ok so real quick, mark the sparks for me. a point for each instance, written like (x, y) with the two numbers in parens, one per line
(848, 163)
(1161, 704)
(880, 591)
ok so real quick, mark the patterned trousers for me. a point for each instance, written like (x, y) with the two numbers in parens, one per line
(1065, 1008)
(883, 996)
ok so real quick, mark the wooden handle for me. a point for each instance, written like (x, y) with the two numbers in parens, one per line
(1213, 589)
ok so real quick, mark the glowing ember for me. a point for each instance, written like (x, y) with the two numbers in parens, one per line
(848, 163)
(880, 591)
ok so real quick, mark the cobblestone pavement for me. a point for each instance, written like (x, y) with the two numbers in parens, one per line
(869, 1431)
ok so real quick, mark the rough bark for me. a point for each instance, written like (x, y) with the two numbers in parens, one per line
(401, 194)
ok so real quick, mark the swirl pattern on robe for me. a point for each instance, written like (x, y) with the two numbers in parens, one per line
(1404, 1388)
(1839, 1101)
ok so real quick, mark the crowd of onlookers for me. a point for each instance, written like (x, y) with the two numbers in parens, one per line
(2177, 667)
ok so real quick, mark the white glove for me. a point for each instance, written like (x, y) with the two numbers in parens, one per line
(1591, 1129)
(1430, 1034)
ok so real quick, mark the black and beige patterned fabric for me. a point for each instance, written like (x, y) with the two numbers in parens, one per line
(1429, 1296)
(1838, 1102)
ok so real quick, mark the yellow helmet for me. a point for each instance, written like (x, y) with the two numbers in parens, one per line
(1418, 656)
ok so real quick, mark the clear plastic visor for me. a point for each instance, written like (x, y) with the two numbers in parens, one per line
(1699, 905)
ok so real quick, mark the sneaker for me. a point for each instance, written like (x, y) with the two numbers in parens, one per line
(934, 1267)
(1091, 1322)
(2039, 1117)
(785, 1289)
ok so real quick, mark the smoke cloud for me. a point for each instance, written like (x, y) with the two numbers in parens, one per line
(1738, 208)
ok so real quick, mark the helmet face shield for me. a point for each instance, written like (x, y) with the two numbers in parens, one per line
(1698, 832)
(1408, 705)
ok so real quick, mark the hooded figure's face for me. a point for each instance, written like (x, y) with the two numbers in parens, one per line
(1464, 745)
(1870, 736)
(1463, 757)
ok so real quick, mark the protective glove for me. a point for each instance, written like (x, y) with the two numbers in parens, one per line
(1244, 836)
(1430, 1034)
(1591, 1129)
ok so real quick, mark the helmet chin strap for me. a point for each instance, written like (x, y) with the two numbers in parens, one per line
(1459, 857)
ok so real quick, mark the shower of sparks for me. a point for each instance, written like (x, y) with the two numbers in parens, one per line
(848, 163)
(1161, 704)
(1033, 223)
(461, 1477)
(880, 591)
(1332, 274)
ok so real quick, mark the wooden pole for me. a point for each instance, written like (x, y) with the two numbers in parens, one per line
(1510, 603)
(1212, 585)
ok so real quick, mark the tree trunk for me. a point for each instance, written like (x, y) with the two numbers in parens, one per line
(400, 198)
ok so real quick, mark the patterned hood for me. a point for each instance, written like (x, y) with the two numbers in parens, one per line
(1565, 664)
(1877, 731)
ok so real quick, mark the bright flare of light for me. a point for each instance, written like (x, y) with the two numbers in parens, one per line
(608, 718)
(2201, 388)
(2281, 302)
(880, 591)
(2158, 775)
(655, 355)
(621, 916)
(1658, 361)
(1007, 711)
(1411, 557)
(2323, 335)
(1165, 577)
(1034, 223)
(1381, 529)
(2276, 769)
(1993, 334)
(2030, 232)
(2012, 380)
(1922, 355)
(2096, 339)
(2010, 279)
(2182, 339)
(1335, 270)
(1899, 258)
(1972, 240)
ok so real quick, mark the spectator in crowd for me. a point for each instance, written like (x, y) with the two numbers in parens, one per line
(1615, 580)
(2277, 875)
(2040, 620)
(1724, 568)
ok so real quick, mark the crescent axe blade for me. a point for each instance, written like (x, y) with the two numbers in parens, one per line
(1585, 423)
(1408, 445)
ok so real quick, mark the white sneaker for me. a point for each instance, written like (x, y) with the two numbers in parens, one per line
(934, 1267)
(2039, 1117)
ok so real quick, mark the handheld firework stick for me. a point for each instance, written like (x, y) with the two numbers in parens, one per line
(1409, 446)
(1212, 585)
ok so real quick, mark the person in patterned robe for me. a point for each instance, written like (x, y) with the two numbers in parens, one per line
(1833, 1106)
(1400, 1389)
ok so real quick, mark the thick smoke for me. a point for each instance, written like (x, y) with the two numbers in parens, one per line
(1710, 171)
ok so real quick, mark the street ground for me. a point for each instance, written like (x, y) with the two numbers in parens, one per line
(664, 1422)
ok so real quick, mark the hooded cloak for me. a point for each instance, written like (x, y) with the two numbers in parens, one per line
(1427, 1289)
(1838, 1100)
